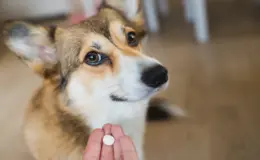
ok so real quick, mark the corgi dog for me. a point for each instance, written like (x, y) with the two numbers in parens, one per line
(95, 72)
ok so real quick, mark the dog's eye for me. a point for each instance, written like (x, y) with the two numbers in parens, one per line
(131, 39)
(94, 58)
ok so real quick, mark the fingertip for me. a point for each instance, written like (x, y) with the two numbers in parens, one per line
(127, 143)
(96, 135)
(95, 138)
(117, 131)
(107, 129)
(94, 144)
(107, 125)
(128, 148)
(126, 138)
(116, 127)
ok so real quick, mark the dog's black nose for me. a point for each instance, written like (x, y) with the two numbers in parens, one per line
(155, 76)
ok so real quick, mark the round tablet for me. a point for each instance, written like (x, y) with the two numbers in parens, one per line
(108, 140)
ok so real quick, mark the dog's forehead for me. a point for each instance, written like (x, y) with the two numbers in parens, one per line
(98, 25)
(101, 22)
(72, 40)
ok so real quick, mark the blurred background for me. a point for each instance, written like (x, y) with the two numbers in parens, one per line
(212, 51)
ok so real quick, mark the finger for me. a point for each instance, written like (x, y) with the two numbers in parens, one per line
(128, 148)
(107, 128)
(117, 132)
(117, 151)
(107, 151)
(94, 145)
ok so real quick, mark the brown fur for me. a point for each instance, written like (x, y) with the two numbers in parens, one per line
(51, 129)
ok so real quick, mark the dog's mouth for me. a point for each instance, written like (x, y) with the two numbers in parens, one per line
(148, 93)
(117, 98)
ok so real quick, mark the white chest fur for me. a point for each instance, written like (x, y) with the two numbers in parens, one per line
(97, 112)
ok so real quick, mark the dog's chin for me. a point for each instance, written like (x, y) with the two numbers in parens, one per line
(147, 93)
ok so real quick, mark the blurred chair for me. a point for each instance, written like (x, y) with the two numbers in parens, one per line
(195, 12)
(152, 8)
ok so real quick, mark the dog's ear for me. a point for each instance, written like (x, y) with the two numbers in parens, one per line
(132, 9)
(34, 44)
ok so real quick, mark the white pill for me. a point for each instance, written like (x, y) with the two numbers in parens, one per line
(108, 140)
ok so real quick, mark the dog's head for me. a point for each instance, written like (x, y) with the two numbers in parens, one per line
(101, 57)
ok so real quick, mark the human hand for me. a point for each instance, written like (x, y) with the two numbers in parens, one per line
(122, 149)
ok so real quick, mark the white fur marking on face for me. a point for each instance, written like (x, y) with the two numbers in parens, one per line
(129, 77)
(92, 105)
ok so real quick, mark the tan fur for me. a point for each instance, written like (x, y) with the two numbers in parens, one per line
(120, 42)
(51, 129)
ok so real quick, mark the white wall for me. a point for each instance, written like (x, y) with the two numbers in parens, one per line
(10, 9)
